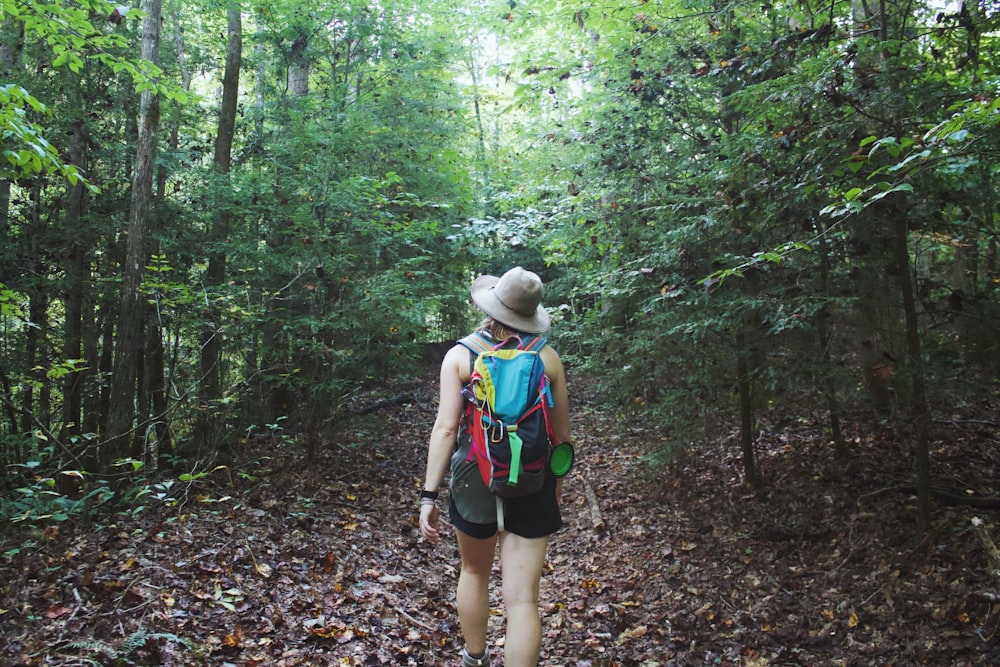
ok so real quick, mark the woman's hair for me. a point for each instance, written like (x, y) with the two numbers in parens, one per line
(496, 330)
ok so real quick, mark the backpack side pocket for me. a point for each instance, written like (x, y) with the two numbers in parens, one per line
(474, 501)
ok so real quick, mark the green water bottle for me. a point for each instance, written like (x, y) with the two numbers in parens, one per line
(561, 459)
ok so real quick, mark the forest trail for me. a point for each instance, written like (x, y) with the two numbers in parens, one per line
(280, 561)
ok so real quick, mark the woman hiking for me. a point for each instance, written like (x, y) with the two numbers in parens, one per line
(522, 525)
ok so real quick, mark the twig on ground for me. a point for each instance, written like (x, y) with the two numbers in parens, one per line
(596, 520)
(988, 545)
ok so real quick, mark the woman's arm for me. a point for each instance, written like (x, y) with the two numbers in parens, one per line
(454, 374)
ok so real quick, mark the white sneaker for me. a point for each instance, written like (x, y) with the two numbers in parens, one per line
(469, 661)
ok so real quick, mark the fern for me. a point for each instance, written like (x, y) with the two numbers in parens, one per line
(127, 646)
(94, 646)
(134, 642)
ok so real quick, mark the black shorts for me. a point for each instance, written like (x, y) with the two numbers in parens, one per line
(535, 515)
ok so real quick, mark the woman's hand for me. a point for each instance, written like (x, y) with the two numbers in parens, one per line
(429, 522)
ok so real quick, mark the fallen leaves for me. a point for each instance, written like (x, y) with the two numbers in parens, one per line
(234, 639)
(691, 569)
(340, 632)
(328, 562)
(632, 633)
(57, 610)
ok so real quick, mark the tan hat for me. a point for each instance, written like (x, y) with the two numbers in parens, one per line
(514, 300)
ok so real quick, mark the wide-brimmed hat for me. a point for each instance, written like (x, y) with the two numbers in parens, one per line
(514, 300)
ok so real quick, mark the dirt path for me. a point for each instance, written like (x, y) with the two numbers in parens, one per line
(280, 561)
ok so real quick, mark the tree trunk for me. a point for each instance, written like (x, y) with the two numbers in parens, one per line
(107, 363)
(33, 360)
(211, 347)
(159, 438)
(92, 360)
(77, 275)
(826, 341)
(121, 417)
(158, 434)
(34, 405)
(484, 185)
(298, 68)
(915, 366)
(743, 380)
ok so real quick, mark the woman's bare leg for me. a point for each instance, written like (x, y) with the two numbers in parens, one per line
(474, 589)
(521, 560)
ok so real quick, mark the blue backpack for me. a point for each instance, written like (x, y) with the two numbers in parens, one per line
(507, 414)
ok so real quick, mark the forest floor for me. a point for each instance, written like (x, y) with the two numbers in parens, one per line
(280, 559)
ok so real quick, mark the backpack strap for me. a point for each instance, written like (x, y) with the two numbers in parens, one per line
(476, 343)
(479, 343)
(533, 343)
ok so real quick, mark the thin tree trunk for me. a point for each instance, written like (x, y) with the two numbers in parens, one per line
(92, 359)
(211, 347)
(107, 364)
(76, 276)
(743, 380)
(481, 152)
(826, 341)
(37, 315)
(918, 399)
(121, 415)
(32, 402)
(158, 434)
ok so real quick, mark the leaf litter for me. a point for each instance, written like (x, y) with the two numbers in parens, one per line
(320, 562)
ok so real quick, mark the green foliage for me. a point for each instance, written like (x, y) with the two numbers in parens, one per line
(951, 147)
(363, 270)
(68, 32)
(10, 303)
(66, 28)
(698, 186)
(40, 503)
(719, 142)
(26, 151)
(759, 259)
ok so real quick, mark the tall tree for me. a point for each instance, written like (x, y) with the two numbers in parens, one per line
(129, 340)
(76, 270)
(211, 347)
